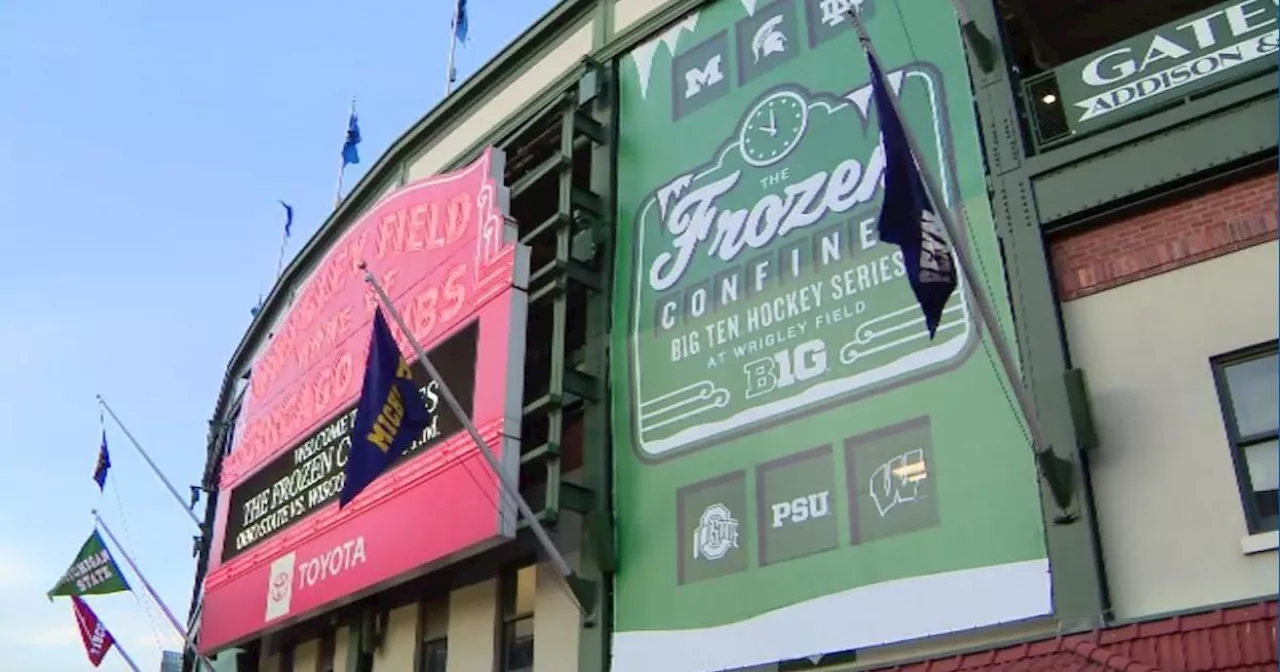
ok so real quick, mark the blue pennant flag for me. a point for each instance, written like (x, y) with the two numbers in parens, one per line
(460, 21)
(390, 415)
(350, 155)
(104, 463)
(907, 218)
(288, 218)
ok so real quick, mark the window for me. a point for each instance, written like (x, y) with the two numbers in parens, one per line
(286, 659)
(1247, 387)
(435, 655)
(518, 589)
(324, 662)
(433, 652)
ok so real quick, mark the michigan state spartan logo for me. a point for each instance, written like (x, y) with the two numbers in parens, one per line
(760, 291)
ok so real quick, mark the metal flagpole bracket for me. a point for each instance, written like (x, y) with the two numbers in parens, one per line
(581, 590)
(984, 52)
(1057, 472)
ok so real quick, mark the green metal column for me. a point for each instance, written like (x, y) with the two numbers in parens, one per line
(597, 111)
(578, 237)
(1078, 582)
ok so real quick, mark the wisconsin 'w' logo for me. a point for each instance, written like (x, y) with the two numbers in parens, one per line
(898, 480)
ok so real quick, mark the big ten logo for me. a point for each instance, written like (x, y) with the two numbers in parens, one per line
(898, 481)
(785, 368)
(686, 345)
(801, 509)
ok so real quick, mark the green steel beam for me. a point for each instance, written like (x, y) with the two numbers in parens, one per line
(1136, 130)
(1123, 172)
(1079, 594)
(597, 560)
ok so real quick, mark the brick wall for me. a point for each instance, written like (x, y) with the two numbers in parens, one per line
(1167, 237)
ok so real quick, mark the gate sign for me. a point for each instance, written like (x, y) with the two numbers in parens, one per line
(799, 468)
(443, 249)
(1192, 53)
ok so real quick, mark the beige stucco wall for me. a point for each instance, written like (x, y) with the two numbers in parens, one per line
(305, 655)
(556, 624)
(1168, 504)
(485, 118)
(473, 619)
(340, 639)
(399, 643)
(627, 12)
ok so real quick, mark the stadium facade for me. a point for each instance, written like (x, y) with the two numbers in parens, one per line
(640, 246)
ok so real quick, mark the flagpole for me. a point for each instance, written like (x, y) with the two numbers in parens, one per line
(114, 642)
(284, 242)
(540, 532)
(127, 658)
(986, 310)
(342, 160)
(453, 46)
(337, 194)
(173, 620)
(173, 491)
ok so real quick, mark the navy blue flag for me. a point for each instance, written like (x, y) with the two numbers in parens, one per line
(350, 155)
(288, 218)
(907, 218)
(104, 463)
(391, 413)
(460, 21)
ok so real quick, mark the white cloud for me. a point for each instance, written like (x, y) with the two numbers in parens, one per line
(14, 572)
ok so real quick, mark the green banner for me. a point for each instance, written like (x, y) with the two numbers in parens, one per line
(1196, 52)
(93, 572)
(799, 468)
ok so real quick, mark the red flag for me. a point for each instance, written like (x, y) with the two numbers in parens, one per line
(97, 640)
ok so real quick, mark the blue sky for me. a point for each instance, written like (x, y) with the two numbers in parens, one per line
(143, 146)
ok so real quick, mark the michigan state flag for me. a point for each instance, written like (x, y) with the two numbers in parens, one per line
(93, 572)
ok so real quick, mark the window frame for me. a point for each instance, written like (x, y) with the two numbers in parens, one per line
(328, 649)
(425, 651)
(1237, 443)
(425, 639)
(508, 605)
(287, 654)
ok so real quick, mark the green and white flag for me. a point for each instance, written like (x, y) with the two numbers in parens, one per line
(93, 572)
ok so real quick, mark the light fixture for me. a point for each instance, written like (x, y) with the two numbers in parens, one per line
(1049, 99)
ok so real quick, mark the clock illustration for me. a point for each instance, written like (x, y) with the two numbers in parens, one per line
(773, 128)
